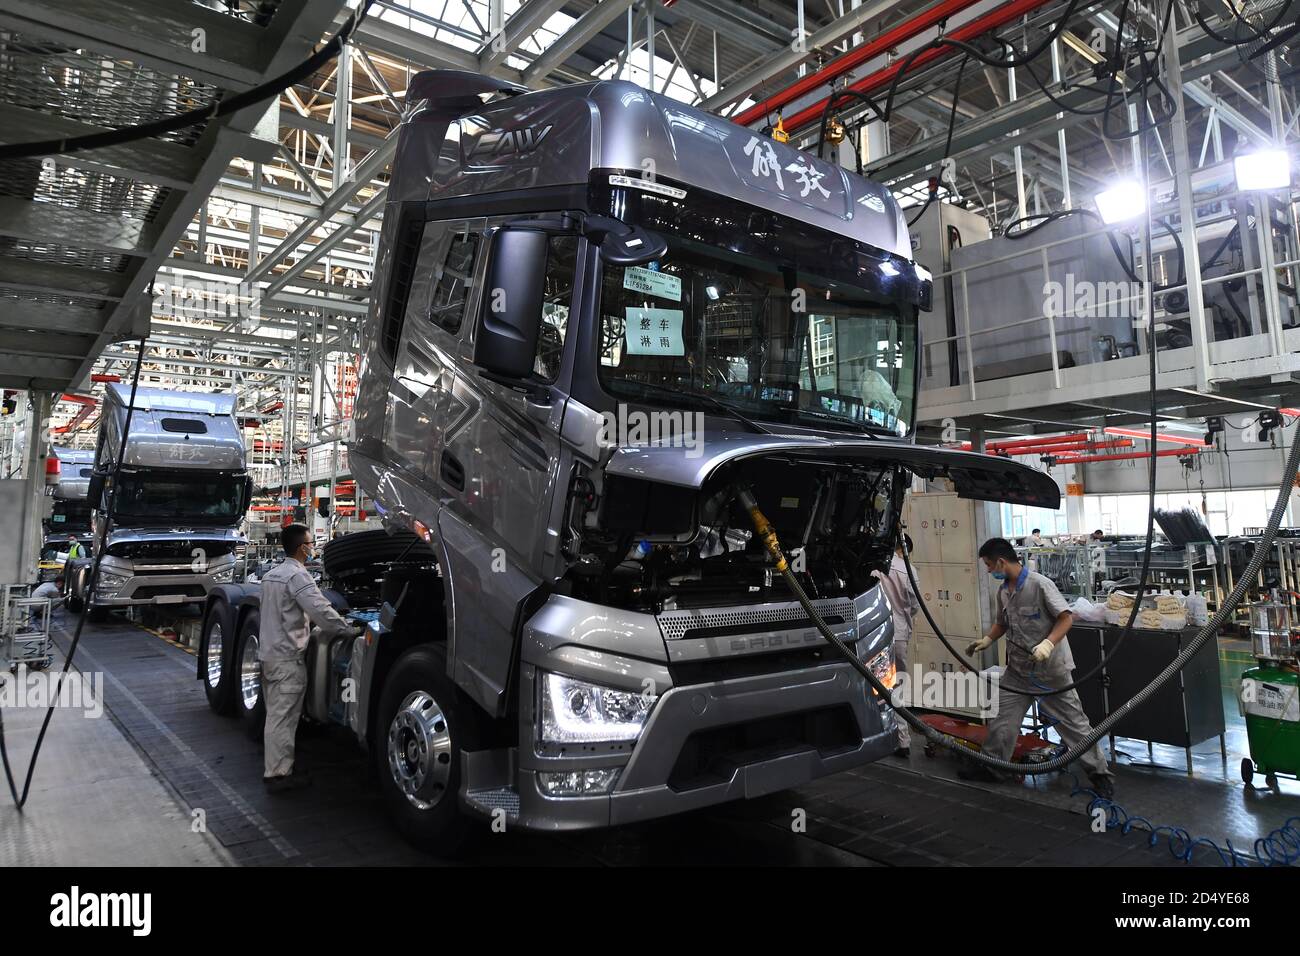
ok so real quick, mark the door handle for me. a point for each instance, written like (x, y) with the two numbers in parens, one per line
(452, 471)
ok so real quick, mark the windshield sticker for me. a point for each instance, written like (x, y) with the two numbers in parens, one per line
(654, 331)
(651, 282)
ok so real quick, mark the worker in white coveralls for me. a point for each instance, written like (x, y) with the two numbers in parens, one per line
(902, 600)
(291, 603)
(1035, 619)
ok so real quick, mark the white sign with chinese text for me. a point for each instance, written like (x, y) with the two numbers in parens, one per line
(655, 332)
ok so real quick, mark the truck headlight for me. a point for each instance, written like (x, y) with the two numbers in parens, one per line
(224, 575)
(576, 711)
(110, 580)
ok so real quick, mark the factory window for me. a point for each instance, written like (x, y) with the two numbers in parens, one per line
(184, 426)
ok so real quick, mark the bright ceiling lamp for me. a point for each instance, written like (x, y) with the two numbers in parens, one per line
(1123, 201)
(1263, 169)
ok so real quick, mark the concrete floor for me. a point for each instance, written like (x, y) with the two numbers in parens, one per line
(125, 789)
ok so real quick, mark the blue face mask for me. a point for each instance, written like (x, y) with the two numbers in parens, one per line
(999, 575)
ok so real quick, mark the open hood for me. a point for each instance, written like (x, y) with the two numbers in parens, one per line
(973, 475)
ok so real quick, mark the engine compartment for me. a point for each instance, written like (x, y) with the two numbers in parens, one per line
(649, 546)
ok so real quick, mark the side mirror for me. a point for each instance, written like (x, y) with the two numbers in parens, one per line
(248, 492)
(510, 317)
(95, 488)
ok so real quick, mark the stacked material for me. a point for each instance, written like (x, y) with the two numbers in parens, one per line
(1161, 611)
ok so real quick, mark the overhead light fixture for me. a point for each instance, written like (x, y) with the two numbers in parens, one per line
(712, 292)
(1263, 169)
(1123, 201)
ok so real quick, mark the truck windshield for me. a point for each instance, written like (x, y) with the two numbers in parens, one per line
(782, 330)
(168, 496)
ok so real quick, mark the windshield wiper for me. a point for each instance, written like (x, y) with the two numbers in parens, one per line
(834, 419)
(721, 406)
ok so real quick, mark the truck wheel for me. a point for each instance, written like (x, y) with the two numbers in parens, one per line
(218, 679)
(249, 699)
(423, 726)
(1247, 771)
(72, 598)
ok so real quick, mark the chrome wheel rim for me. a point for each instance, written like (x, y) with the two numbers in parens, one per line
(419, 750)
(250, 673)
(214, 655)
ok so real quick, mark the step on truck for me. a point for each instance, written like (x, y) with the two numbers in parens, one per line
(600, 320)
(178, 504)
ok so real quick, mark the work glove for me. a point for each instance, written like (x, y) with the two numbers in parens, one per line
(977, 646)
(1044, 650)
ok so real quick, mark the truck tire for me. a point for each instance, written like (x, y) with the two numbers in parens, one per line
(219, 678)
(354, 563)
(72, 599)
(423, 726)
(249, 700)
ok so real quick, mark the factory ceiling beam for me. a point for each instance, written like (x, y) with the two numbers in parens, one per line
(787, 59)
(527, 20)
(583, 30)
(365, 171)
(373, 207)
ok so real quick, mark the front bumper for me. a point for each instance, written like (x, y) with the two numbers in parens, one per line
(703, 744)
(144, 589)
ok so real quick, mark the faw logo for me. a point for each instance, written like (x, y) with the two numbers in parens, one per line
(505, 142)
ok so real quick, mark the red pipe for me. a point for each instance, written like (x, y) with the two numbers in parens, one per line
(105, 377)
(880, 45)
(882, 78)
(1085, 446)
(1085, 459)
(1035, 442)
(1145, 433)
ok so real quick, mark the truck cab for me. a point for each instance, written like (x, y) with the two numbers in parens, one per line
(178, 500)
(600, 315)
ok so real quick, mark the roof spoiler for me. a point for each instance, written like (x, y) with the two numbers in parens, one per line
(450, 93)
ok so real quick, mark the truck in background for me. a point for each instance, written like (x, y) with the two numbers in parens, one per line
(69, 510)
(179, 503)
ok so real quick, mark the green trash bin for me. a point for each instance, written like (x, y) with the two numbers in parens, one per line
(1270, 701)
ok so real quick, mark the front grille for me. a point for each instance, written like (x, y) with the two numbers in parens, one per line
(685, 673)
(678, 624)
(710, 757)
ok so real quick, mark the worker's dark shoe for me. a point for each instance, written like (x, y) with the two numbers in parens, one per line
(1102, 784)
(975, 772)
(904, 752)
(294, 781)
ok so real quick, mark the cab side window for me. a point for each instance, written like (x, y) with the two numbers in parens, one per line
(455, 277)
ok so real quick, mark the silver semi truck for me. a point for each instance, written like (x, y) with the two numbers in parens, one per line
(601, 322)
(179, 504)
(69, 509)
